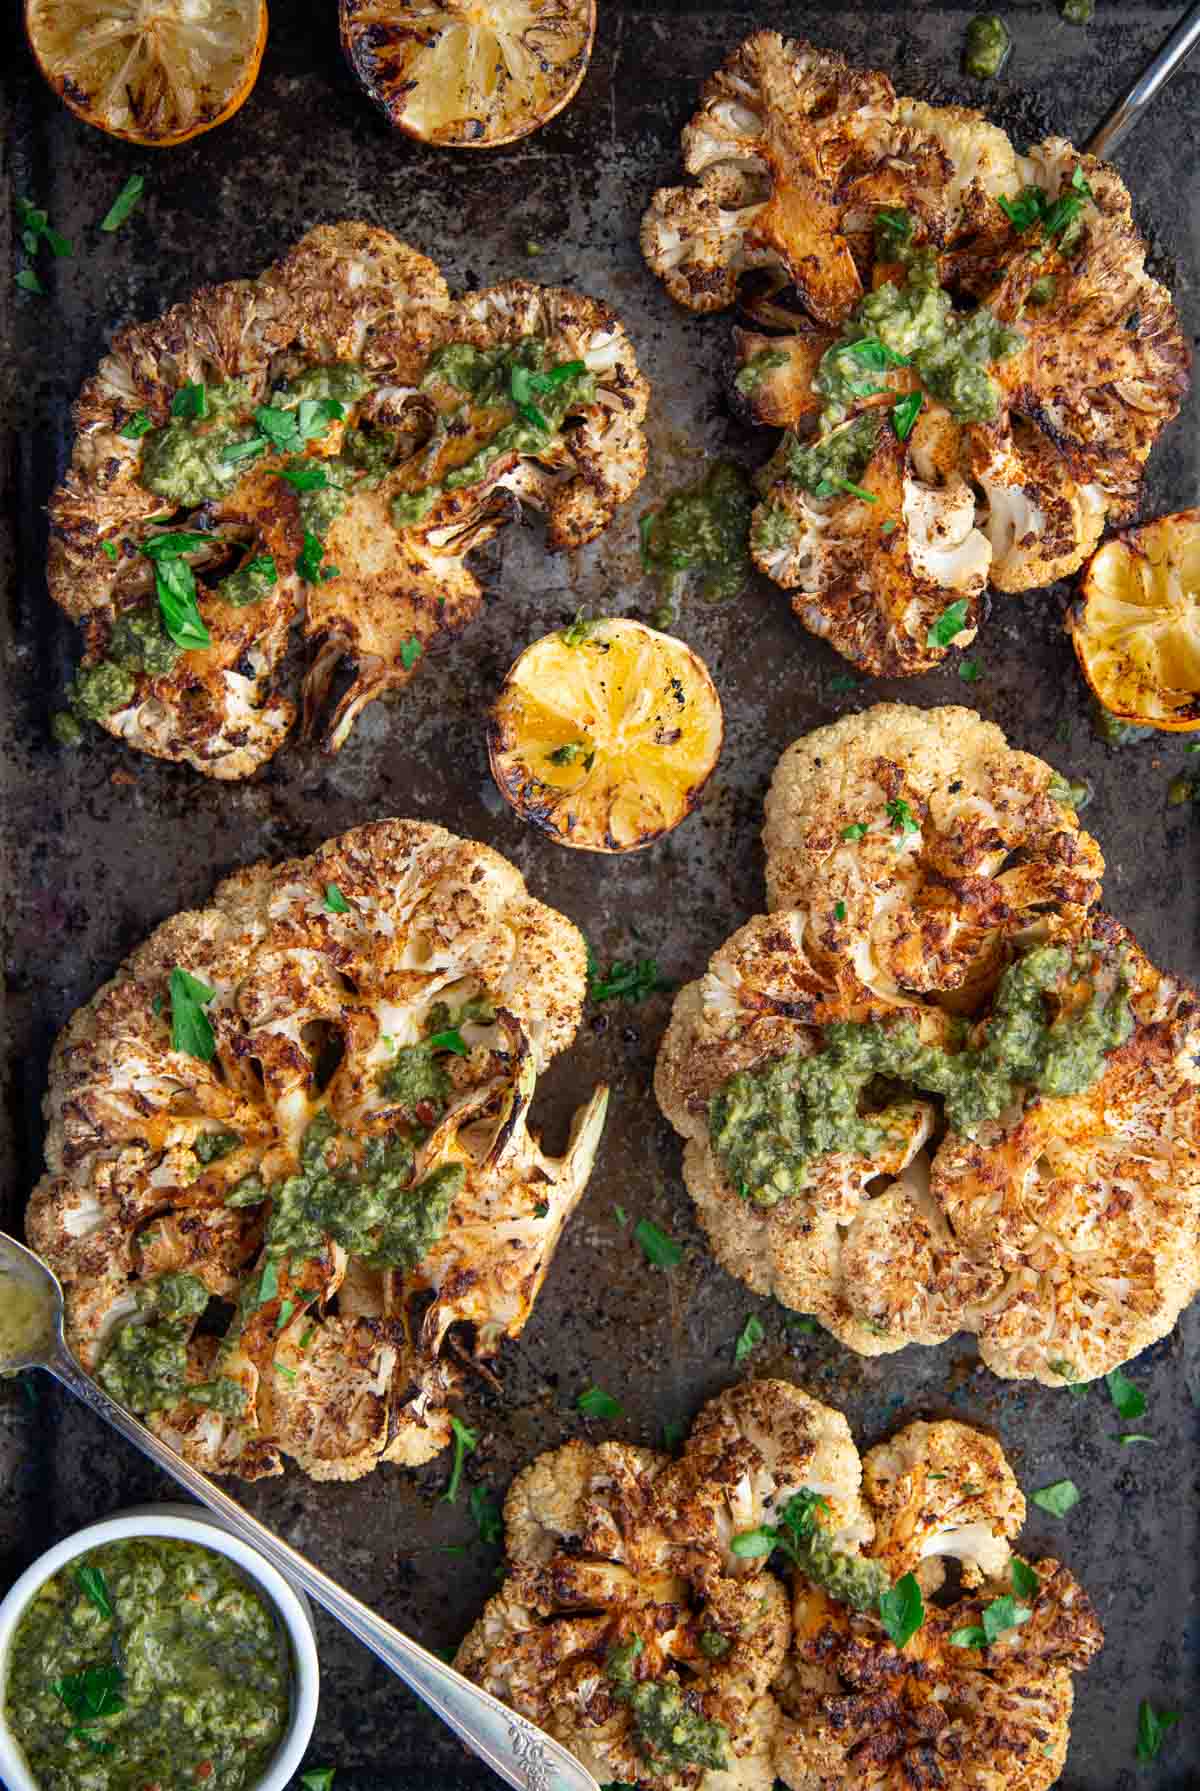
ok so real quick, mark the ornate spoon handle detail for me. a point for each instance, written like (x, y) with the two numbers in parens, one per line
(514, 1747)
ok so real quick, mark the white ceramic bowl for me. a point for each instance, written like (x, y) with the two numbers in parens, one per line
(185, 1523)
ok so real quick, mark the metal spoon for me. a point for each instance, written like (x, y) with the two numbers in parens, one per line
(1121, 120)
(31, 1336)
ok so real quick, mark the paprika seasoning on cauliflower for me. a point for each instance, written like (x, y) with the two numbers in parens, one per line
(724, 1620)
(937, 1089)
(317, 1087)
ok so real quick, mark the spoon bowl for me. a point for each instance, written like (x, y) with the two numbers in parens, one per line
(31, 1336)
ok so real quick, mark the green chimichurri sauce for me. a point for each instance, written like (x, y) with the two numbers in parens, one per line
(987, 47)
(508, 395)
(172, 1672)
(704, 529)
(671, 1733)
(851, 1579)
(767, 1125)
(145, 1367)
(912, 325)
(751, 376)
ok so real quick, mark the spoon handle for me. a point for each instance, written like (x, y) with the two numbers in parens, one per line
(513, 1746)
(1121, 120)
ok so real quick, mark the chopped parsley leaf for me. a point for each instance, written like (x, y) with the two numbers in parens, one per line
(191, 1028)
(902, 1610)
(190, 401)
(410, 652)
(750, 1336)
(857, 830)
(335, 901)
(1058, 1498)
(970, 671)
(904, 415)
(952, 621)
(594, 1402)
(1152, 1730)
(124, 203)
(136, 426)
(109, 549)
(465, 1442)
(625, 982)
(659, 1249)
(902, 817)
(486, 1512)
(1126, 1395)
(839, 910)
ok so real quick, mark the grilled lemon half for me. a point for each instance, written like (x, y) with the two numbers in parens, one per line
(471, 74)
(152, 71)
(605, 734)
(1136, 627)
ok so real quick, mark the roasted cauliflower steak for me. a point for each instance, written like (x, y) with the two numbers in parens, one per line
(713, 1622)
(310, 1099)
(874, 239)
(937, 1089)
(319, 450)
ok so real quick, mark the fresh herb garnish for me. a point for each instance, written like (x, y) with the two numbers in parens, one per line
(465, 1441)
(901, 816)
(286, 1308)
(594, 1402)
(1059, 1498)
(970, 671)
(750, 1336)
(335, 901)
(625, 982)
(410, 652)
(450, 1040)
(28, 281)
(905, 412)
(1152, 1730)
(797, 1520)
(36, 229)
(309, 564)
(92, 1694)
(93, 1585)
(190, 401)
(486, 1512)
(902, 1609)
(175, 588)
(289, 1374)
(268, 1284)
(1001, 1615)
(1133, 1436)
(659, 1249)
(318, 1778)
(839, 910)
(576, 632)
(1033, 206)
(191, 1028)
(856, 831)
(124, 203)
(243, 450)
(1127, 1397)
(109, 549)
(136, 426)
(310, 475)
(1025, 1581)
(621, 1214)
(952, 621)
(673, 1434)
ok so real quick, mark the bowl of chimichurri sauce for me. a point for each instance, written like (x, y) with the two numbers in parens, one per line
(154, 1652)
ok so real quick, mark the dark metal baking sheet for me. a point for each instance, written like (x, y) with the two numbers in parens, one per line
(101, 846)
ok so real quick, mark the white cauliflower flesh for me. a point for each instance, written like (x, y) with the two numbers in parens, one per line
(644, 1620)
(977, 364)
(324, 445)
(317, 1086)
(937, 1089)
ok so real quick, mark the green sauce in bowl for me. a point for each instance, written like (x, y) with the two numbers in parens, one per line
(148, 1664)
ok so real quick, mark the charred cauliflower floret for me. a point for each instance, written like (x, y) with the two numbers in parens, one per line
(937, 1089)
(916, 843)
(321, 448)
(599, 1635)
(317, 1086)
(942, 1490)
(860, 1713)
(964, 349)
(643, 1623)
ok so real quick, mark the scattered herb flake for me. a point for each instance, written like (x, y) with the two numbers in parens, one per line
(902, 817)
(190, 401)
(268, 1284)
(465, 1442)
(660, 1250)
(28, 281)
(191, 1028)
(952, 621)
(93, 1585)
(594, 1402)
(842, 682)
(452, 1040)
(904, 415)
(673, 1434)
(410, 652)
(1126, 1395)
(109, 549)
(335, 901)
(1059, 1498)
(286, 1308)
(488, 1519)
(318, 1778)
(857, 830)
(1152, 1730)
(839, 910)
(136, 426)
(124, 203)
(1133, 1436)
(309, 564)
(750, 1336)
(631, 982)
(1025, 1581)
(622, 1215)
(970, 671)
(289, 1374)
(902, 1610)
